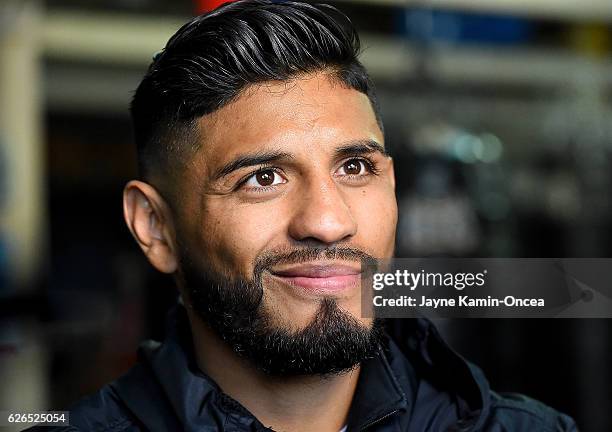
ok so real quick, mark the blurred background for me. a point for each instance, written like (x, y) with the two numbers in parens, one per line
(499, 113)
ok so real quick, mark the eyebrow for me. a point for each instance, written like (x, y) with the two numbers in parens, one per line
(268, 157)
(253, 159)
(360, 147)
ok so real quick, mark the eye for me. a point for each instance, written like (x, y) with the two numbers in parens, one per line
(354, 167)
(264, 178)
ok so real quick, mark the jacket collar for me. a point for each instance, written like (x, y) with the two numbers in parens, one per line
(379, 393)
(423, 346)
(196, 399)
(387, 383)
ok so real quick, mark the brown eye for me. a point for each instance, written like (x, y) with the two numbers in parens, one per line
(265, 178)
(353, 167)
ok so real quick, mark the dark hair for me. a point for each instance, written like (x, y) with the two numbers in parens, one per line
(212, 58)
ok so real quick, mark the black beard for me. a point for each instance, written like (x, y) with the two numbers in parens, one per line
(332, 343)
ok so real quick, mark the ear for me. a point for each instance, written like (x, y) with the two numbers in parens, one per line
(150, 221)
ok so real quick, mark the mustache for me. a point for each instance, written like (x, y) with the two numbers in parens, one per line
(270, 259)
(208, 288)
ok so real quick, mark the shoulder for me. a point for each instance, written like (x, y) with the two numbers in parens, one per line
(516, 412)
(102, 411)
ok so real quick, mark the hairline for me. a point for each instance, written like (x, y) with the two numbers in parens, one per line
(191, 128)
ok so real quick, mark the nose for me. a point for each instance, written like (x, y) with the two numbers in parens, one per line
(322, 215)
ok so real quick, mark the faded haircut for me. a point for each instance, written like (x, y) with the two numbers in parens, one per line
(214, 57)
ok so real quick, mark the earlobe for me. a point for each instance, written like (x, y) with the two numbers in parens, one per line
(149, 220)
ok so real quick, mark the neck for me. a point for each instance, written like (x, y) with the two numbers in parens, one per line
(297, 404)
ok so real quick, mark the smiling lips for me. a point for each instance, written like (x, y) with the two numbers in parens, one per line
(326, 278)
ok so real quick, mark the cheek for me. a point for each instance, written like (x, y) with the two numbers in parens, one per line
(233, 235)
(375, 211)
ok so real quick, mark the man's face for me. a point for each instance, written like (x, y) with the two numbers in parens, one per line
(290, 177)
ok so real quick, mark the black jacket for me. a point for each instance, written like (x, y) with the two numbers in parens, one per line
(416, 384)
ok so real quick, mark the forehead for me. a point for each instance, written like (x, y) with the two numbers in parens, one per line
(303, 115)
